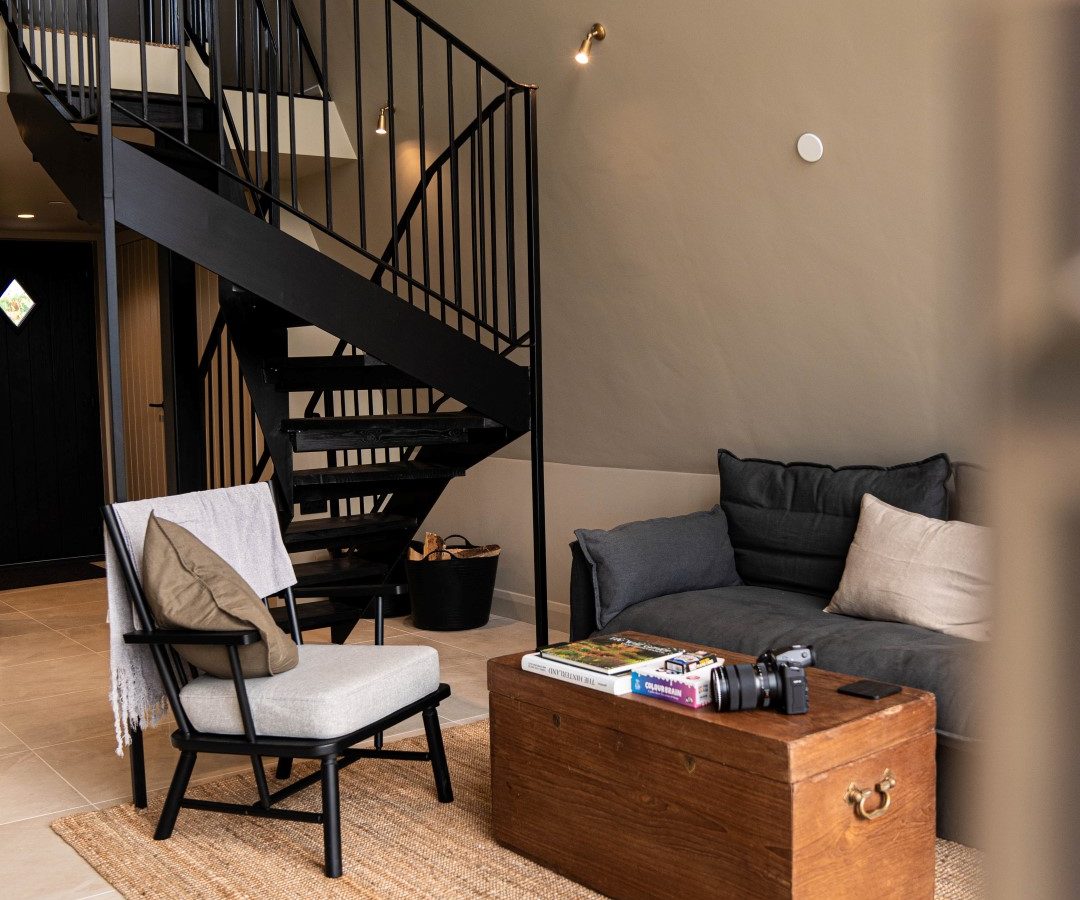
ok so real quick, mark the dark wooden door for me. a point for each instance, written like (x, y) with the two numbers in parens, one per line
(51, 484)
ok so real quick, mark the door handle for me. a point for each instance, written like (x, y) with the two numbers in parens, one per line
(160, 405)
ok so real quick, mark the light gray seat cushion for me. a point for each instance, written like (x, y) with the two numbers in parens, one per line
(750, 619)
(333, 691)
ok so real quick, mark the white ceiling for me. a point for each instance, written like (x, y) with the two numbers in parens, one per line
(26, 188)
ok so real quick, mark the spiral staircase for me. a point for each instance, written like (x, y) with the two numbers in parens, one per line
(239, 135)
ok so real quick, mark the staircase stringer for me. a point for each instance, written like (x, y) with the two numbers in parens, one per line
(214, 233)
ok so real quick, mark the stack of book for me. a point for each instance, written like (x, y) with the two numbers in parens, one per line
(619, 664)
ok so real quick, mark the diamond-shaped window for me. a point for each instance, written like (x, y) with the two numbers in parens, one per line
(16, 303)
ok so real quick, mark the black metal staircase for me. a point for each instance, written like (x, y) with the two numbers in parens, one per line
(233, 136)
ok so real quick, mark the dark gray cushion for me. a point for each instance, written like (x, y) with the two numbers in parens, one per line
(639, 560)
(791, 523)
(750, 619)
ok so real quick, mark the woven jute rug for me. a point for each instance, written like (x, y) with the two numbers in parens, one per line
(397, 842)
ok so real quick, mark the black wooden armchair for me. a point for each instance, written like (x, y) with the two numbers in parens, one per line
(337, 697)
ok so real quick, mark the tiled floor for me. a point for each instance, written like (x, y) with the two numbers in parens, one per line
(56, 730)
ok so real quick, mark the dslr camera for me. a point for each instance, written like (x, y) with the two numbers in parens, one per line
(776, 681)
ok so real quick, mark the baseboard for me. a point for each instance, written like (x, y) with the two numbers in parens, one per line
(521, 607)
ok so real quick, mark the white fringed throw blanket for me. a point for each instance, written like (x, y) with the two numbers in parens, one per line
(240, 524)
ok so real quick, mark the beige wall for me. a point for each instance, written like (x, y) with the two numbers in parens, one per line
(705, 287)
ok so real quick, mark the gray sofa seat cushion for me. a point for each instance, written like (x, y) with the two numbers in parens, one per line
(749, 619)
(333, 691)
(791, 523)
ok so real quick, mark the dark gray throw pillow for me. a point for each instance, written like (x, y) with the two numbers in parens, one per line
(642, 560)
(791, 523)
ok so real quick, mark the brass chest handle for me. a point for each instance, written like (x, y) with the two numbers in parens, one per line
(860, 796)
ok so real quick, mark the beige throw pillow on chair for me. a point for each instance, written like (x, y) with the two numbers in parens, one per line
(188, 586)
(904, 567)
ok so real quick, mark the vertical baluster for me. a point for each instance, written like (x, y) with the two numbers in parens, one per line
(181, 63)
(33, 29)
(472, 235)
(67, 50)
(241, 430)
(289, 27)
(455, 205)
(326, 117)
(256, 95)
(442, 244)
(242, 72)
(273, 74)
(91, 60)
(479, 198)
(230, 358)
(80, 33)
(361, 175)
(55, 25)
(221, 409)
(218, 87)
(508, 188)
(142, 61)
(494, 229)
(208, 428)
(392, 150)
(254, 425)
(425, 241)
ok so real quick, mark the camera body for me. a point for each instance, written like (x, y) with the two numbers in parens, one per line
(776, 681)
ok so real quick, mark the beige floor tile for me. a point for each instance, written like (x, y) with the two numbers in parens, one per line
(498, 637)
(36, 646)
(51, 595)
(51, 720)
(468, 683)
(94, 637)
(15, 623)
(28, 788)
(448, 654)
(69, 615)
(48, 678)
(38, 865)
(93, 767)
(9, 742)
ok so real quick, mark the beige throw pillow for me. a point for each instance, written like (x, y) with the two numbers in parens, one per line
(903, 567)
(189, 586)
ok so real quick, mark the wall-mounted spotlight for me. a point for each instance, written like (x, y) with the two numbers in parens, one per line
(596, 33)
(384, 113)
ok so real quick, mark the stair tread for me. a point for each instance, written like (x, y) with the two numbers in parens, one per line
(331, 530)
(329, 571)
(423, 421)
(389, 471)
(317, 614)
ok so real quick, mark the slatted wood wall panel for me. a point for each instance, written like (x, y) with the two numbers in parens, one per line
(140, 367)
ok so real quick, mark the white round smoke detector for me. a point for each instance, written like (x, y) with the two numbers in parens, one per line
(810, 147)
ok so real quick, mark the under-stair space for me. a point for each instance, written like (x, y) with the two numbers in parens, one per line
(377, 325)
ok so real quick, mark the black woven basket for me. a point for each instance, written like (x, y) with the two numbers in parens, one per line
(448, 593)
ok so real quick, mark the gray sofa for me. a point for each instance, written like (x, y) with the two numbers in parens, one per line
(752, 617)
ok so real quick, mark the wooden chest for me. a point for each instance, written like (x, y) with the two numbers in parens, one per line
(636, 797)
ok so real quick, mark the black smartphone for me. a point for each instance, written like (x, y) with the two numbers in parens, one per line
(870, 690)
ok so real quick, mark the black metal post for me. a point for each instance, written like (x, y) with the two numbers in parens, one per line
(536, 375)
(108, 248)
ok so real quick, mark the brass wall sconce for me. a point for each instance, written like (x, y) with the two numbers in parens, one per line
(384, 113)
(596, 33)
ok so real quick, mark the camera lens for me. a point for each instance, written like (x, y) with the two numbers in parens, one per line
(745, 686)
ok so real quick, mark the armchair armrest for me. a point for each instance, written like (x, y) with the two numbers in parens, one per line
(219, 638)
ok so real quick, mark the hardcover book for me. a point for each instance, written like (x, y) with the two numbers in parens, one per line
(610, 655)
(608, 684)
